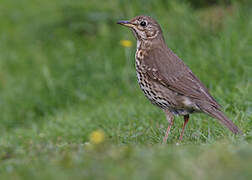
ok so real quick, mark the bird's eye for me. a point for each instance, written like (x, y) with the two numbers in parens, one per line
(143, 23)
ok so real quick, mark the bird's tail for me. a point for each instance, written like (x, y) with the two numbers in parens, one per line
(223, 119)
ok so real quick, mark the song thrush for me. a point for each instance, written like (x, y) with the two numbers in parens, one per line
(166, 81)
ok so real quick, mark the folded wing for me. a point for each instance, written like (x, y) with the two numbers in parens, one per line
(175, 75)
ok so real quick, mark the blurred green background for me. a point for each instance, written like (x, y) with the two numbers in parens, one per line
(64, 74)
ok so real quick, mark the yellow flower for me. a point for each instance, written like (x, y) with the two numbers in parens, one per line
(126, 43)
(97, 137)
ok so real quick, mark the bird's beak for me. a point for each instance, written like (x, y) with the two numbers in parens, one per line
(126, 23)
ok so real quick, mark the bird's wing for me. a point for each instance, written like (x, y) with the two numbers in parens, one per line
(166, 68)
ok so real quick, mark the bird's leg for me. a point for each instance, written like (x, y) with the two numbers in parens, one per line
(186, 119)
(170, 118)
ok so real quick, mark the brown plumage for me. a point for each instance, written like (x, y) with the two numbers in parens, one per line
(166, 81)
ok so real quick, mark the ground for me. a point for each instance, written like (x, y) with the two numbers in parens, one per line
(71, 107)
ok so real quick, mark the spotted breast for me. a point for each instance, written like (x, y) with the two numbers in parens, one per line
(150, 90)
(155, 92)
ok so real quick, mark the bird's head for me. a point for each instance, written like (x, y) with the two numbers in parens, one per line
(143, 27)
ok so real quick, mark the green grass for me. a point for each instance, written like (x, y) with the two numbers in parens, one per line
(63, 75)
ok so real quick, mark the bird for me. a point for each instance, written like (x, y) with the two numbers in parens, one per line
(167, 81)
